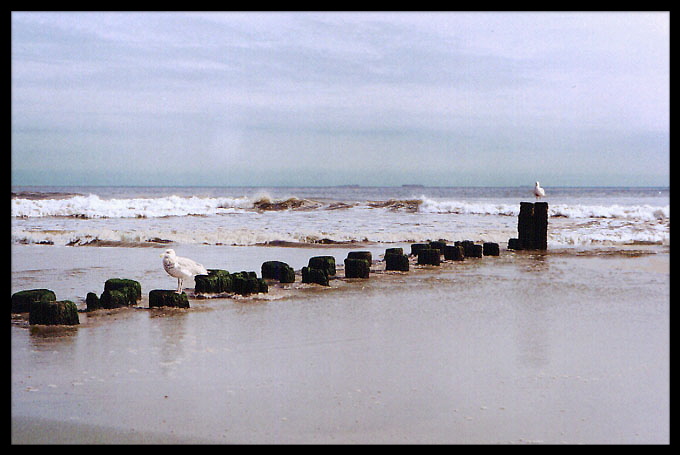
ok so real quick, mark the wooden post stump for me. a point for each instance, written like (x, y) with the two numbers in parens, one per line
(396, 261)
(215, 282)
(246, 283)
(360, 255)
(438, 245)
(540, 241)
(357, 268)
(490, 249)
(22, 300)
(532, 227)
(454, 253)
(164, 298)
(318, 276)
(92, 302)
(120, 292)
(429, 257)
(277, 270)
(325, 263)
(63, 312)
(416, 247)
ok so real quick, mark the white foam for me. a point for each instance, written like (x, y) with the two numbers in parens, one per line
(92, 206)
(170, 218)
(642, 212)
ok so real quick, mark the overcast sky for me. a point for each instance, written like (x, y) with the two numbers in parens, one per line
(263, 99)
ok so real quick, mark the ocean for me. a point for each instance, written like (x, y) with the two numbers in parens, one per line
(568, 345)
(130, 216)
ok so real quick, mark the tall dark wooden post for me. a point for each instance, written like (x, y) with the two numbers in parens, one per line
(532, 227)
(541, 226)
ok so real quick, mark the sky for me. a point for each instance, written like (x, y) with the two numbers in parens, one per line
(340, 98)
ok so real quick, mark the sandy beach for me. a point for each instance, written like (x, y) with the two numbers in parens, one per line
(550, 348)
(237, 138)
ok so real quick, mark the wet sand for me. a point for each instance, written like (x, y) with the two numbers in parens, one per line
(524, 348)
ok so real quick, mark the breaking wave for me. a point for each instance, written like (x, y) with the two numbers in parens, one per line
(91, 220)
(641, 212)
(92, 206)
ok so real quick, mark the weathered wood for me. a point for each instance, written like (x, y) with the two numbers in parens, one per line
(92, 302)
(475, 251)
(46, 312)
(120, 292)
(467, 247)
(396, 261)
(429, 257)
(438, 245)
(540, 241)
(311, 275)
(532, 226)
(360, 255)
(22, 300)
(215, 282)
(277, 270)
(454, 253)
(325, 263)
(165, 298)
(246, 283)
(490, 249)
(357, 268)
(416, 247)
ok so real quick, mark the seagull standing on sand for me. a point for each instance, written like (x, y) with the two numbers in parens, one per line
(181, 268)
(538, 191)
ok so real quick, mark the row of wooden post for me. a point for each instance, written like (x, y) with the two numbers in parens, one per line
(532, 228)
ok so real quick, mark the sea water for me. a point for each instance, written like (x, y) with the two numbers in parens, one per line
(570, 345)
(250, 216)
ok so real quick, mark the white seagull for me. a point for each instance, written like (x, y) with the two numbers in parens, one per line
(181, 268)
(538, 191)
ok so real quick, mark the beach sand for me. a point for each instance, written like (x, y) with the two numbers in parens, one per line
(557, 347)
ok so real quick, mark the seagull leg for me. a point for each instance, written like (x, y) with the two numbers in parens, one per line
(179, 286)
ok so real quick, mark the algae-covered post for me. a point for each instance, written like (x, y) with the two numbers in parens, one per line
(120, 292)
(216, 281)
(395, 259)
(277, 270)
(454, 253)
(360, 255)
(438, 245)
(92, 302)
(416, 247)
(22, 300)
(358, 264)
(325, 263)
(311, 275)
(246, 283)
(164, 298)
(63, 312)
(357, 268)
(429, 256)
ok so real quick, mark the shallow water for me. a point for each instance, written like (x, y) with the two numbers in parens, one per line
(523, 348)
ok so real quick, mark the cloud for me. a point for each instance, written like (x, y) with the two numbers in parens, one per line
(175, 91)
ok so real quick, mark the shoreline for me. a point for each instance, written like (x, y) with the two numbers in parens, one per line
(36, 430)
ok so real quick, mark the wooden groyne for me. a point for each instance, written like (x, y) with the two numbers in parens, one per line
(43, 308)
